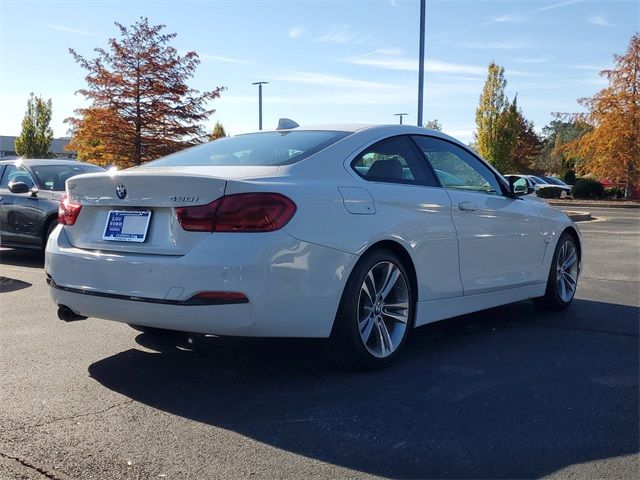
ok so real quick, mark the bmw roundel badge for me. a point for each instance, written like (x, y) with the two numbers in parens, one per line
(121, 191)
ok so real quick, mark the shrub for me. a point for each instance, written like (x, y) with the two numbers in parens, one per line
(614, 192)
(569, 177)
(587, 188)
(549, 192)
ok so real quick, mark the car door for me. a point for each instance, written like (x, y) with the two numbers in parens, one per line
(410, 205)
(499, 237)
(20, 218)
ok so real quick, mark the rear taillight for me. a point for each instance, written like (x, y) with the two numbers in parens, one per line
(67, 212)
(243, 212)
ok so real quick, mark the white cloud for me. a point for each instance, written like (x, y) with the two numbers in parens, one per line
(63, 28)
(504, 18)
(505, 45)
(392, 59)
(555, 5)
(394, 3)
(296, 32)
(206, 57)
(600, 20)
(331, 80)
(341, 33)
(596, 68)
(529, 60)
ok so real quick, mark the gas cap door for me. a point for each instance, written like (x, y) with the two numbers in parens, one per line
(357, 200)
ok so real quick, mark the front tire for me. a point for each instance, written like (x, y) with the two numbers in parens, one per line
(375, 314)
(563, 275)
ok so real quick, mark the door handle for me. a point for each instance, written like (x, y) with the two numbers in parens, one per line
(468, 206)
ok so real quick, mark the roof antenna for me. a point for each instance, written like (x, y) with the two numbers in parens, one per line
(286, 124)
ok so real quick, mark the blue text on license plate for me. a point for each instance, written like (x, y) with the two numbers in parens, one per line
(127, 225)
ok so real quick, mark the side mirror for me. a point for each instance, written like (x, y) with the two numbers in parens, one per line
(519, 186)
(18, 187)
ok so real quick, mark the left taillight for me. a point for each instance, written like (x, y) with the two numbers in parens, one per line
(67, 212)
(241, 212)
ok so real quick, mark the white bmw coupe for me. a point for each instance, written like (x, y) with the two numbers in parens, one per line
(355, 234)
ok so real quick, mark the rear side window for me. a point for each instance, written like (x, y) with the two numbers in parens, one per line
(393, 160)
(254, 149)
(53, 177)
(456, 168)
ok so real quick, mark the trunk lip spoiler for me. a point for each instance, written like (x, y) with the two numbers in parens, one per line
(132, 298)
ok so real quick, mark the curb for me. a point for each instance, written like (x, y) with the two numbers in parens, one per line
(578, 216)
(592, 205)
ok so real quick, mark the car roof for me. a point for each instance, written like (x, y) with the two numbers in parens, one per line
(381, 129)
(32, 162)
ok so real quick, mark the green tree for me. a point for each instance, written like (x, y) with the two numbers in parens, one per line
(433, 125)
(217, 132)
(554, 157)
(496, 121)
(36, 135)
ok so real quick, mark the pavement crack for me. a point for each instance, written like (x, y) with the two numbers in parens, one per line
(69, 417)
(30, 466)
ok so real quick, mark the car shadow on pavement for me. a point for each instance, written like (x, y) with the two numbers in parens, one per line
(21, 258)
(510, 392)
(12, 284)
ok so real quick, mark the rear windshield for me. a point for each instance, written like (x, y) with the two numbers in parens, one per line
(52, 177)
(254, 149)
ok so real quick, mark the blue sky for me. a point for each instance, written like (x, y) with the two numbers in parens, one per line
(329, 61)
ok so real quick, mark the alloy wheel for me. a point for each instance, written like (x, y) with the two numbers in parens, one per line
(383, 309)
(567, 269)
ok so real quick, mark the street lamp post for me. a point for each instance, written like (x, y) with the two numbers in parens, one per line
(421, 62)
(259, 102)
(400, 115)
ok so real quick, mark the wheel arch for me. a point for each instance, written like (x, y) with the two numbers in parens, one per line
(52, 217)
(576, 237)
(404, 255)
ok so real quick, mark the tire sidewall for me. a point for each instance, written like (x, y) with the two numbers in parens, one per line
(346, 323)
(552, 285)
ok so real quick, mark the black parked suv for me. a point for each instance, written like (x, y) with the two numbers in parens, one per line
(29, 194)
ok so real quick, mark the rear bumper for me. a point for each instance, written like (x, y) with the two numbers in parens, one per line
(293, 287)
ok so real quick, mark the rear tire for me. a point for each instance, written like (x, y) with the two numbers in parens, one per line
(50, 227)
(375, 314)
(562, 281)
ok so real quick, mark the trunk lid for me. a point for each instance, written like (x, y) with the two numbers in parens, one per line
(158, 190)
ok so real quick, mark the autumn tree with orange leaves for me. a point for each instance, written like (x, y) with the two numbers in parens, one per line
(612, 149)
(141, 106)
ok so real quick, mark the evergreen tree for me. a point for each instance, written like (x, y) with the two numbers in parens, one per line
(35, 138)
(217, 132)
(496, 121)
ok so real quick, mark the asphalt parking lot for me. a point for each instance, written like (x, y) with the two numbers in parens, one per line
(507, 393)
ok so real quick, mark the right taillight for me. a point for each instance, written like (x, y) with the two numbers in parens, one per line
(67, 212)
(242, 212)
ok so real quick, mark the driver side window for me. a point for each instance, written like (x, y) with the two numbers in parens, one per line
(456, 168)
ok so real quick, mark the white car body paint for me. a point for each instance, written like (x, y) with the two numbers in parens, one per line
(465, 260)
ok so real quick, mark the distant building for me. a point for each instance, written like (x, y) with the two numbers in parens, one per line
(8, 149)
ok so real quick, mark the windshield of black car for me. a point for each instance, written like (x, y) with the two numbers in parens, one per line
(254, 149)
(53, 177)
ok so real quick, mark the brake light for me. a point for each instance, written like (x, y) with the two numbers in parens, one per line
(67, 212)
(242, 212)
